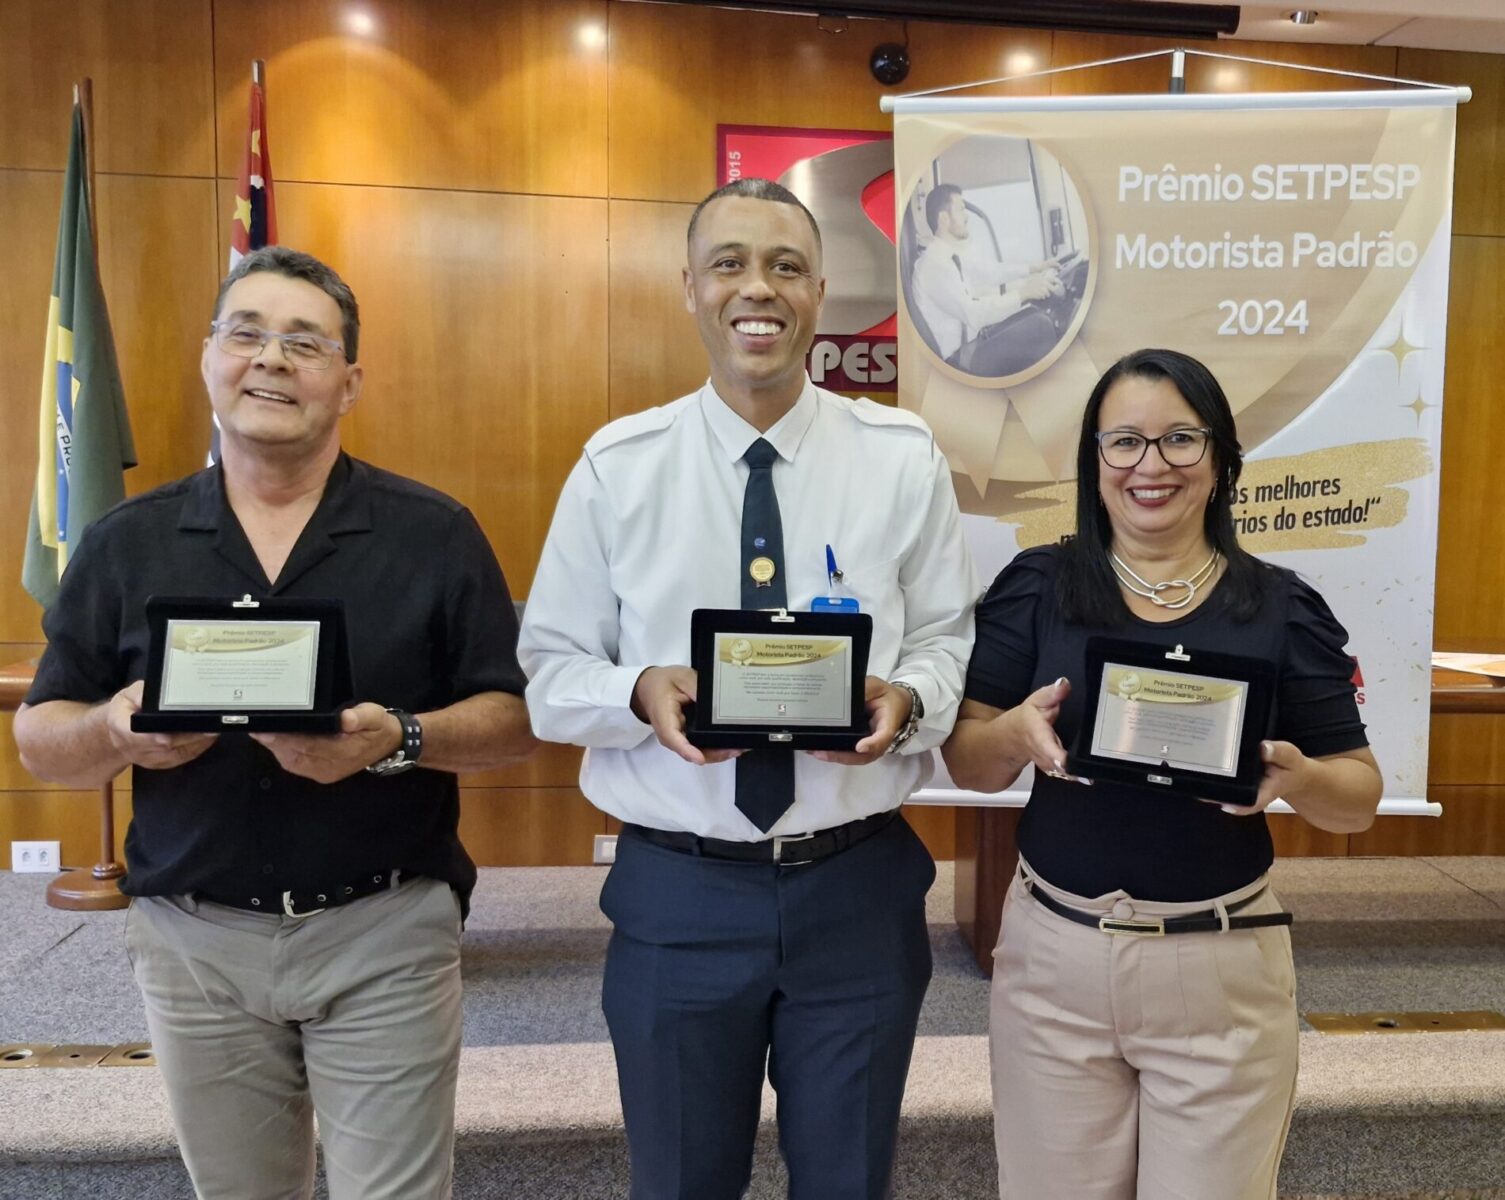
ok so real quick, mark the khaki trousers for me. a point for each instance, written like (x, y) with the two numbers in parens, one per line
(259, 1022)
(1140, 1068)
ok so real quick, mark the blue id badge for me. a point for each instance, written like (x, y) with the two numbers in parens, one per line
(834, 604)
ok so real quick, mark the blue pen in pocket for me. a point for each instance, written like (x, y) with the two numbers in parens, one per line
(831, 602)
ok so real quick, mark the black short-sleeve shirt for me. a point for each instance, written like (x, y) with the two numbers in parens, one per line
(1095, 840)
(430, 623)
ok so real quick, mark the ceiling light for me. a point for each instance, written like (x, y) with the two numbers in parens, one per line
(1304, 16)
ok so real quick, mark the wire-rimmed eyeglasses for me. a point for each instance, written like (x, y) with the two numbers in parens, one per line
(307, 351)
(1124, 449)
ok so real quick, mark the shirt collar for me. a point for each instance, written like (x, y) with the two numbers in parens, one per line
(345, 506)
(735, 435)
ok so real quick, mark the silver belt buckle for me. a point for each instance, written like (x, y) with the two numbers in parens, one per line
(1154, 927)
(778, 846)
(287, 907)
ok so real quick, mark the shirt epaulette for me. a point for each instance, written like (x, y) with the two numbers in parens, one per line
(886, 416)
(636, 425)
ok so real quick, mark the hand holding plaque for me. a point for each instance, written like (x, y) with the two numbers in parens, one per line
(777, 677)
(275, 665)
(1175, 719)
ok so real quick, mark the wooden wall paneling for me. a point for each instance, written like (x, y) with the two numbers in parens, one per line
(69, 817)
(936, 825)
(1147, 75)
(1472, 822)
(1467, 750)
(528, 827)
(156, 240)
(1216, 75)
(444, 94)
(1470, 535)
(1294, 838)
(553, 766)
(678, 72)
(1478, 200)
(158, 264)
(153, 93)
(483, 322)
(656, 353)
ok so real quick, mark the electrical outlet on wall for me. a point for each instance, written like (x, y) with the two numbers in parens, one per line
(35, 856)
(606, 848)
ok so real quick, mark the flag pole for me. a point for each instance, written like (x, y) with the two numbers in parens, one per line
(96, 887)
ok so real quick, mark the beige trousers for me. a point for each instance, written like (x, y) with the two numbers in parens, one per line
(261, 1022)
(1140, 1068)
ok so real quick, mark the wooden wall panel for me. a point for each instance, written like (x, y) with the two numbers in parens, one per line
(679, 72)
(656, 353)
(153, 95)
(484, 326)
(1472, 822)
(529, 827)
(1145, 75)
(69, 817)
(1219, 75)
(1478, 200)
(156, 240)
(1470, 535)
(444, 94)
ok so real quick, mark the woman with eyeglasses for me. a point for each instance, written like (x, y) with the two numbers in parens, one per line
(1143, 1021)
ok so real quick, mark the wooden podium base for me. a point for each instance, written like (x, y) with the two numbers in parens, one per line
(89, 889)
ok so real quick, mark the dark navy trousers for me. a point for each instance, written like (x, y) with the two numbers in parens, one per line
(719, 970)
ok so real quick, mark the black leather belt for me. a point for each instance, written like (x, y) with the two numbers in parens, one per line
(314, 900)
(786, 851)
(1201, 922)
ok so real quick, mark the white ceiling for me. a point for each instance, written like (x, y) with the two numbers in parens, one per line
(1477, 25)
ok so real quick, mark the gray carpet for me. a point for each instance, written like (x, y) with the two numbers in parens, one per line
(1392, 1115)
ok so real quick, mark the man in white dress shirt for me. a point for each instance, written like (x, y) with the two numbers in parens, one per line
(960, 293)
(735, 949)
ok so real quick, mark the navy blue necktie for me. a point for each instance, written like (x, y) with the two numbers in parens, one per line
(765, 777)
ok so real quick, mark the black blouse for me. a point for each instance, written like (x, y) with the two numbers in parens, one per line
(1094, 840)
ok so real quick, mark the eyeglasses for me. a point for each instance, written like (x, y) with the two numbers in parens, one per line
(1123, 448)
(307, 351)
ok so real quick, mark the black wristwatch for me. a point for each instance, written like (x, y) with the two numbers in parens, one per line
(916, 715)
(405, 758)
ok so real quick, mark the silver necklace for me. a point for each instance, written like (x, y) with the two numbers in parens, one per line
(1155, 592)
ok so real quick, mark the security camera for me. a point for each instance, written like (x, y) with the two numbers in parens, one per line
(889, 63)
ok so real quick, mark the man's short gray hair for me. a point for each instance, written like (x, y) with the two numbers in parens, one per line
(280, 260)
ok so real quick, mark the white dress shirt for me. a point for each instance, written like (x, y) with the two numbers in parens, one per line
(959, 301)
(649, 528)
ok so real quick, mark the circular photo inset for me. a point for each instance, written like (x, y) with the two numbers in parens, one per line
(995, 258)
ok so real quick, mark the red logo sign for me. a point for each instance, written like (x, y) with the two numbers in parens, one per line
(846, 179)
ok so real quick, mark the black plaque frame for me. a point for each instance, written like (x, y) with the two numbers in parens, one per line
(333, 686)
(1242, 788)
(706, 623)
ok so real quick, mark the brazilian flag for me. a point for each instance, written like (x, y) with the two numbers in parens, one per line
(83, 432)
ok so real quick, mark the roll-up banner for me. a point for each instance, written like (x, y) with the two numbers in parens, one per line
(1295, 243)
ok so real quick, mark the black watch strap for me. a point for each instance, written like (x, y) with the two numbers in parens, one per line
(405, 758)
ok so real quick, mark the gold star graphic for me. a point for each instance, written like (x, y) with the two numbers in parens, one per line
(1400, 348)
(1418, 406)
(243, 211)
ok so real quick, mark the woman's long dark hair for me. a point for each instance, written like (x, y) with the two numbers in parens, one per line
(1086, 586)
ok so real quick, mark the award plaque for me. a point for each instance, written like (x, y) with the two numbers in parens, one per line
(773, 677)
(269, 666)
(1173, 719)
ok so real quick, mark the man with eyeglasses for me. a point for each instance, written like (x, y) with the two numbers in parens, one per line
(297, 898)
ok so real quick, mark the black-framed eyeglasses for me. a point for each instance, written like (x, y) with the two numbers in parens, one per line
(307, 351)
(1123, 448)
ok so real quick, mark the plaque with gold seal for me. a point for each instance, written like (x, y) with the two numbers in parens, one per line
(775, 677)
(272, 665)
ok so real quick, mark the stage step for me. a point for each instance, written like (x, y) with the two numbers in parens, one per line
(1378, 1115)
